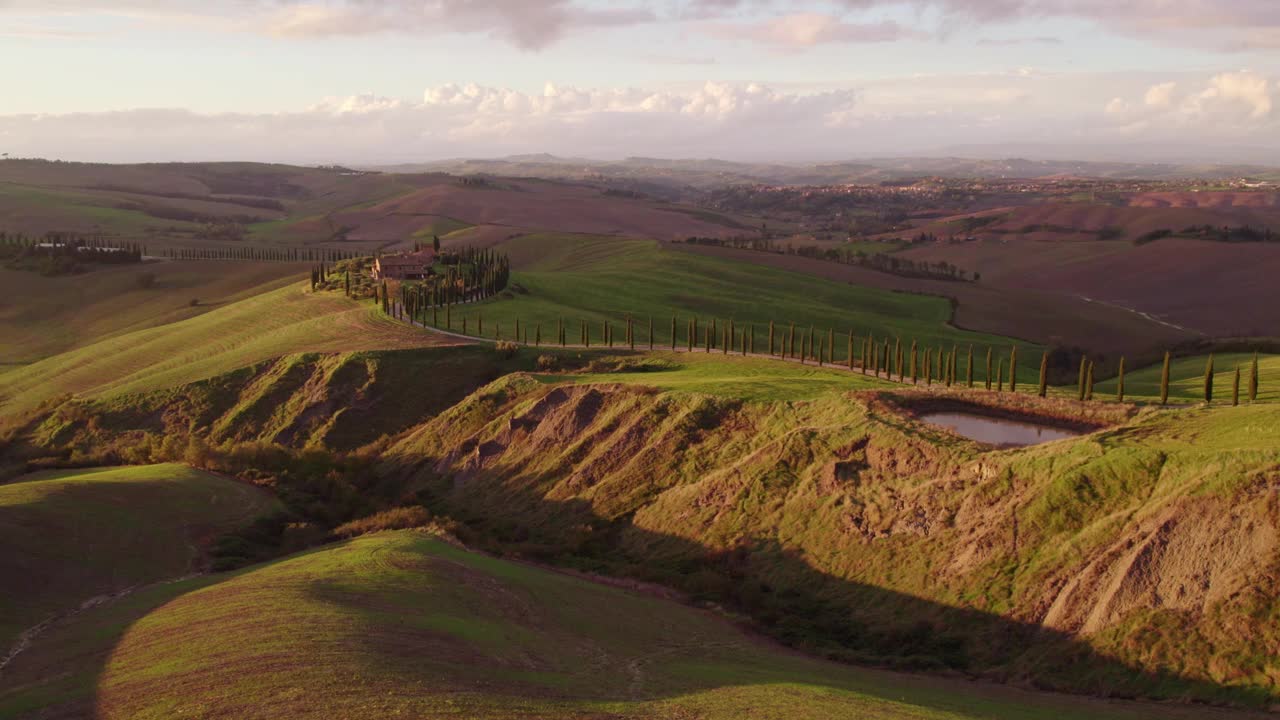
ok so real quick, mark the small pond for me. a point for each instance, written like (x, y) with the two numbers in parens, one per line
(998, 431)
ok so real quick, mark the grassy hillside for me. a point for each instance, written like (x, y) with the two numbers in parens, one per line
(43, 316)
(403, 624)
(1186, 379)
(1139, 559)
(73, 535)
(280, 322)
(583, 278)
(751, 379)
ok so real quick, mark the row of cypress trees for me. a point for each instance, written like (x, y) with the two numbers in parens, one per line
(887, 358)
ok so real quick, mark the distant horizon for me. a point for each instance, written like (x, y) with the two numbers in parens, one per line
(532, 157)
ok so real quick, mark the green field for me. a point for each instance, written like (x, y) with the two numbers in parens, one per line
(592, 279)
(1186, 379)
(71, 535)
(61, 313)
(753, 379)
(404, 625)
(280, 322)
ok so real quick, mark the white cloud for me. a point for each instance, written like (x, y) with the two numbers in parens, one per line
(1160, 96)
(737, 121)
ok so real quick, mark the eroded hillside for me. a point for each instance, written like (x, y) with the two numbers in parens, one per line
(1138, 560)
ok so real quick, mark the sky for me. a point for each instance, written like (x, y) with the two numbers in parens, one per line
(402, 81)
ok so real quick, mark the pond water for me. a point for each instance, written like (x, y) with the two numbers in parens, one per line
(998, 431)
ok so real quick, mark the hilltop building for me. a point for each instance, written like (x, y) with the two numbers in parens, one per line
(404, 266)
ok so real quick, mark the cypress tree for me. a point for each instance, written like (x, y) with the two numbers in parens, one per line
(831, 346)
(691, 332)
(850, 359)
(819, 353)
(751, 339)
(770, 337)
(1235, 389)
(673, 333)
(651, 333)
(1013, 369)
(1000, 376)
(586, 335)
(1084, 368)
(897, 357)
(954, 364)
(711, 330)
(479, 323)
(1164, 381)
(1253, 379)
(968, 368)
(1120, 382)
(537, 335)
(1089, 388)
(517, 329)
(728, 337)
(789, 348)
(928, 368)
(989, 368)
(946, 370)
(915, 370)
(1208, 381)
(1044, 375)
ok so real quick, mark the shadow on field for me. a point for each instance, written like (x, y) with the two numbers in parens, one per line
(775, 586)
(807, 609)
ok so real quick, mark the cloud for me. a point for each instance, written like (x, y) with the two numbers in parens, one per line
(1159, 96)
(750, 121)
(1231, 103)
(1226, 25)
(805, 30)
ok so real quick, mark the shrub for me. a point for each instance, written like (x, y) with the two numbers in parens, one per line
(401, 518)
(548, 362)
(506, 349)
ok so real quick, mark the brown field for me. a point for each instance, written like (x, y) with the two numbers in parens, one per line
(1025, 313)
(1206, 199)
(520, 204)
(1167, 279)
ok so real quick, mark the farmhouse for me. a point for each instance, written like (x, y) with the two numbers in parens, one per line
(403, 266)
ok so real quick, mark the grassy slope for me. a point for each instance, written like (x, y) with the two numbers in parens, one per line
(752, 379)
(866, 524)
(72, 535)
(402, 624)
(1186, 379)
(45, 316)
(590, 278)
(284, 321)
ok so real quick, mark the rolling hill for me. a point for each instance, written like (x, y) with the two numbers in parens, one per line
(405, 624)
(74, 538)
(283, 321)
(42, 316)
